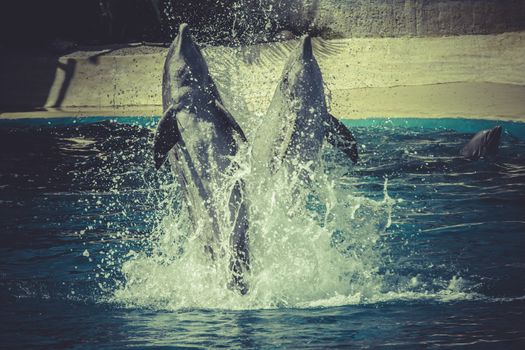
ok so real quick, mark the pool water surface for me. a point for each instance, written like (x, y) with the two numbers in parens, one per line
(413, 247)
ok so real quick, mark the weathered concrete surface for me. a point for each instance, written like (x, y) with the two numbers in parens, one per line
(228, 21)
(366, 18)
(467, 76)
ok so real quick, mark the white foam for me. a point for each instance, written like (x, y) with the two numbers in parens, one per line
(312, 244)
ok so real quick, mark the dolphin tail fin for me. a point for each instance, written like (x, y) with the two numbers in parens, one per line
(230, 120)
(166, 136)
(339, 136)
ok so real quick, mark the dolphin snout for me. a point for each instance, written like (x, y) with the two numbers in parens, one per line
(307, 47)
(184, 34)
(185, 45)
(184, 29)
(495, 133)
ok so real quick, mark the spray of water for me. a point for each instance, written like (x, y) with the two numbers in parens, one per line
(310, 240)
(314, 239)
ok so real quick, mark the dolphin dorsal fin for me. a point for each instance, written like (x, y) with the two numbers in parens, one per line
(232, 123)
(339, 136)
(166, 136)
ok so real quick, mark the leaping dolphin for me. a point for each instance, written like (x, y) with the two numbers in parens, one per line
(200, 138)
(484, 143)
(297, 120)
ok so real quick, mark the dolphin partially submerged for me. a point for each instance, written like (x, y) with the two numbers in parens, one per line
(297, 120)
(200, 138)
(484, 143)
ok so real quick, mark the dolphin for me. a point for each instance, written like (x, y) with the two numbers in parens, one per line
(297, 120)
(484, 143)
(200, 138)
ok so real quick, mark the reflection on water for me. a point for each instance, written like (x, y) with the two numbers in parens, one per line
(79, 202)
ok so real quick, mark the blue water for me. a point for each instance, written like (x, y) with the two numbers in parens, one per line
(77, 195)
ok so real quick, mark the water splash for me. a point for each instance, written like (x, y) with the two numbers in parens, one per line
(311, 239)
(339, 239)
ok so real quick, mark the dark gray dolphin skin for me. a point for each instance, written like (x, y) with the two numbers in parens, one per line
(484, 143)
(200, 137)
(297, 120)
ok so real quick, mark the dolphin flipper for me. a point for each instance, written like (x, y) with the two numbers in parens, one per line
(232, 123)
(339, 136)
(166, 136)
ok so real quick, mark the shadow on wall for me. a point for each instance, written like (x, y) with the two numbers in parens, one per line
(27, 81)
(69, 71)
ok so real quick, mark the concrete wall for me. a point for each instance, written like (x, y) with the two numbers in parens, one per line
(365, 18)
(476, 76)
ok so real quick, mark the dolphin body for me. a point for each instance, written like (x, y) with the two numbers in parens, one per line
(200, 137)
(484, 143)
(297, 120)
